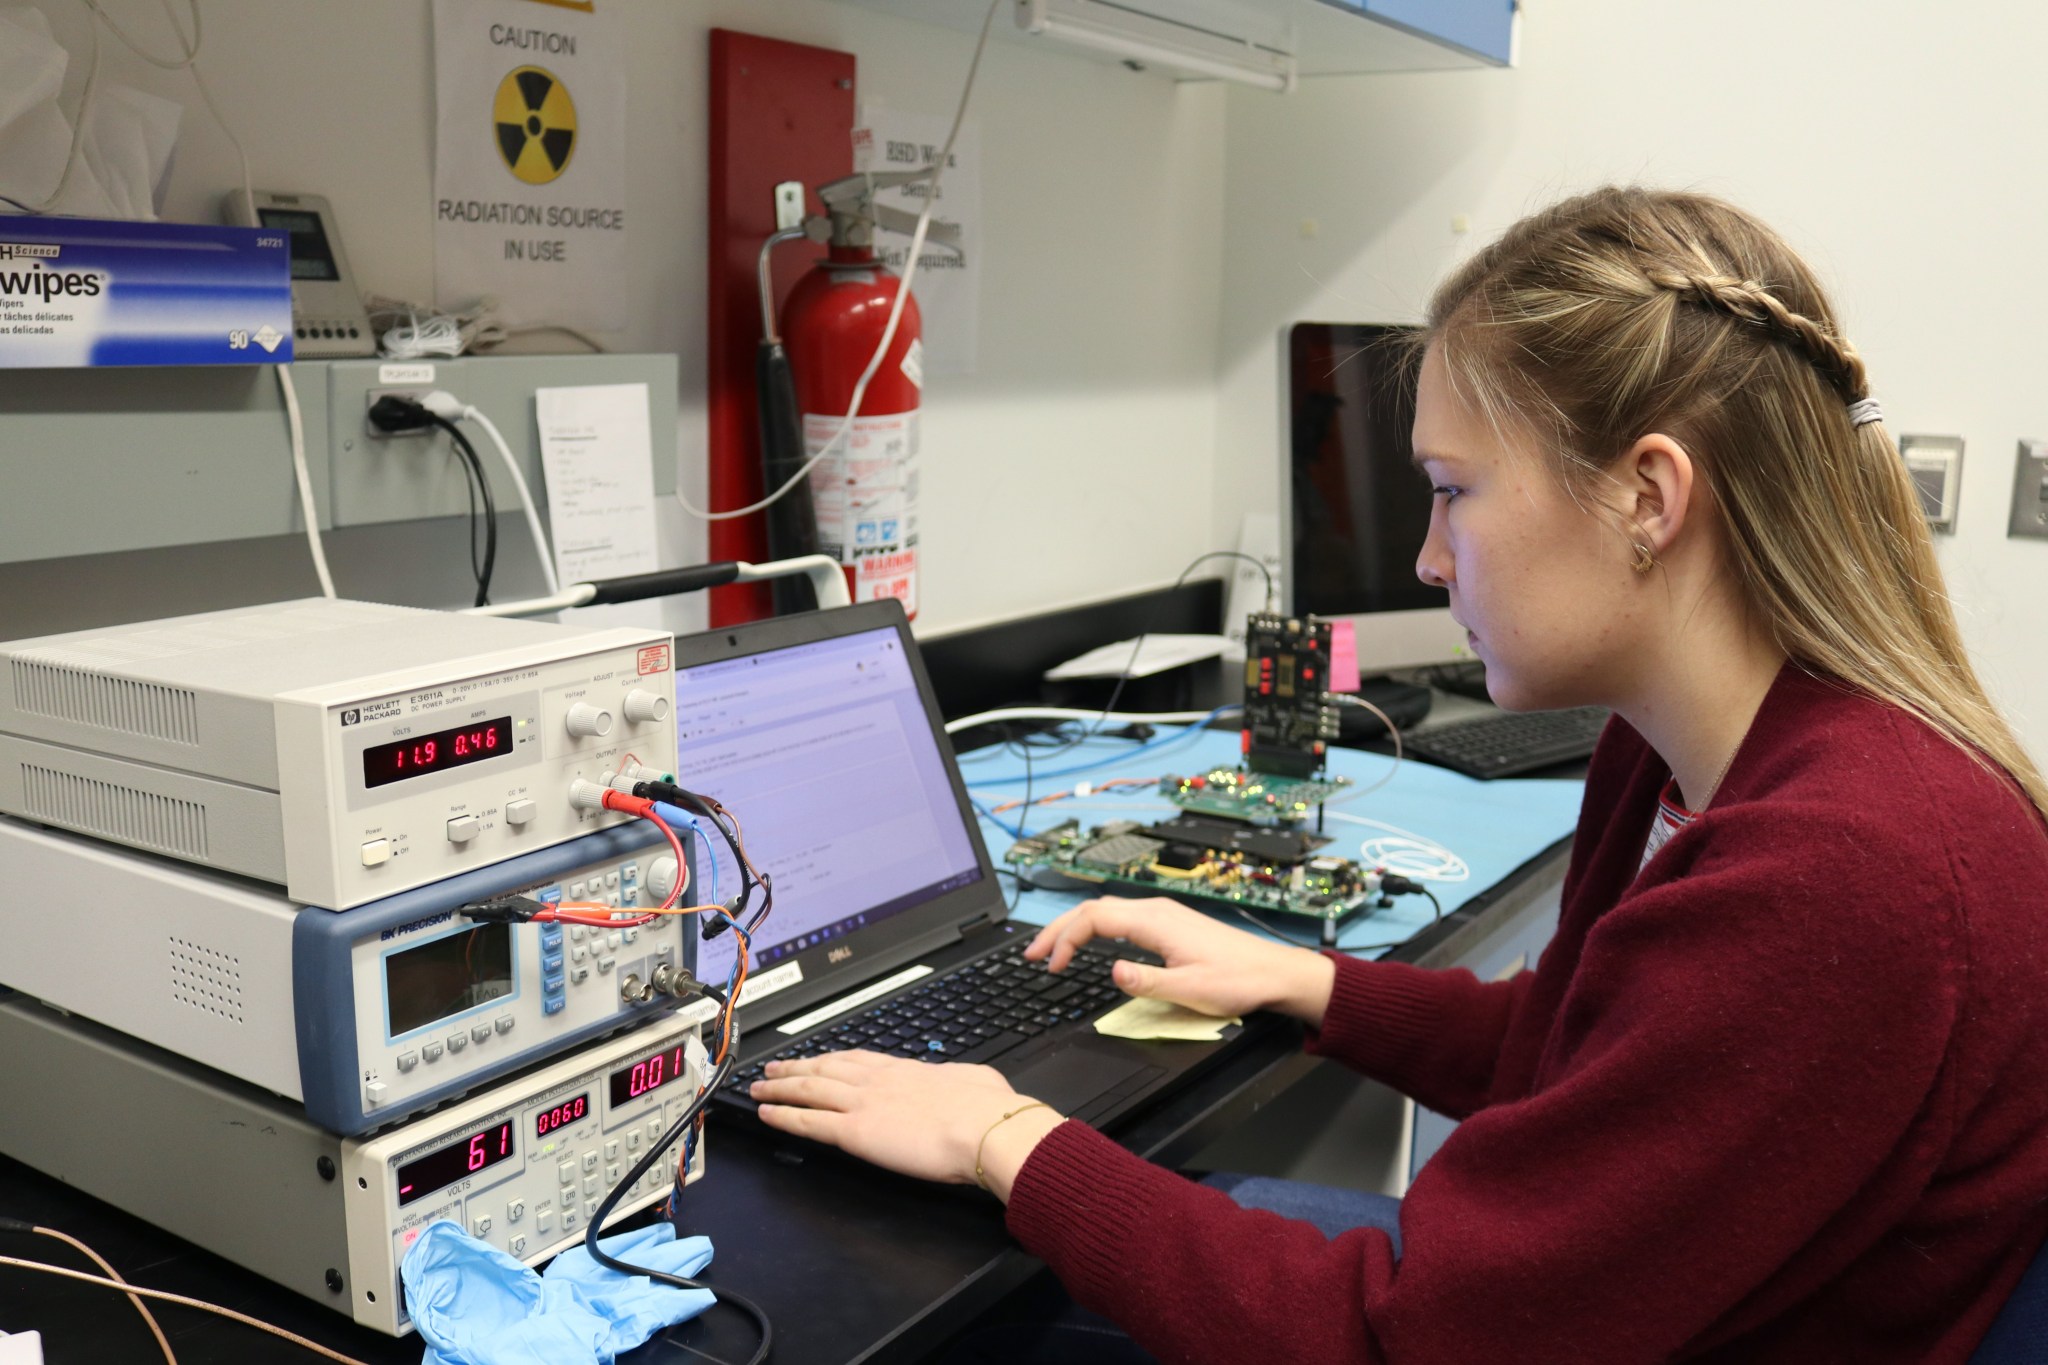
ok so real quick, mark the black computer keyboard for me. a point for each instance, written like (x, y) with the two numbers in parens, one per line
(1509, 743)
(974, 1013)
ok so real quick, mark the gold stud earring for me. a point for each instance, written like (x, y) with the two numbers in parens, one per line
(1644, 560)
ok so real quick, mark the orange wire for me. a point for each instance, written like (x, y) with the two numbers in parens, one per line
(1111, 785)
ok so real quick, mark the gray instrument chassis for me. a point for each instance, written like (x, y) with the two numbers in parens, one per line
(250, 740)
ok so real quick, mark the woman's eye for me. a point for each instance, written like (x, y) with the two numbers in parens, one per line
(1445, 491)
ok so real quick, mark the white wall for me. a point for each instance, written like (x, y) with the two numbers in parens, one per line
(1101, 190)
(1147, 241)
(1898, 145)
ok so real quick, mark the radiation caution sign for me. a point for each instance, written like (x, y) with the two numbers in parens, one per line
(530, 160)
(536, 122)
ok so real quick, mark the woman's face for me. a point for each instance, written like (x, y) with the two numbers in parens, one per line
(1540, 582)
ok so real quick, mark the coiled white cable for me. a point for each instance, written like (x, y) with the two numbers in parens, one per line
(1406, 852)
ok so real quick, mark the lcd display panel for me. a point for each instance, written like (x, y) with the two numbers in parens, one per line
(444, 1166)
(445, 977)
(306, 241)
(561, 1115)
(419, 755)
(651, 1072)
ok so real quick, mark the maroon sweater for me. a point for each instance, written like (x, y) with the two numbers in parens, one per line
(1781, 1098)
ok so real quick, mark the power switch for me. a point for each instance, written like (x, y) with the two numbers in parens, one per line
(376, 852)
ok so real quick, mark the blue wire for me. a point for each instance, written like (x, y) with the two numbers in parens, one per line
(1015, 831)
(676, 815)
(1117, 757)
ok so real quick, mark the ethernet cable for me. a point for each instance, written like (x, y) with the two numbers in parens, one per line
(136, 1293)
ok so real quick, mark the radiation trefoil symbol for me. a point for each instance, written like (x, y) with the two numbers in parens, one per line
(535, 123)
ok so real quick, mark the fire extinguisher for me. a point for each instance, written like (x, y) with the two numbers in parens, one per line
(865, 489)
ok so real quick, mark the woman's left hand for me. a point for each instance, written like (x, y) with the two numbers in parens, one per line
(917, 1118)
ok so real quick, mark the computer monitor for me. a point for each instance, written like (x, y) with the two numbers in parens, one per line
(1354, 509)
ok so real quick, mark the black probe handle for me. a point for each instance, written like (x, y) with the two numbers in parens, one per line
(665, 582)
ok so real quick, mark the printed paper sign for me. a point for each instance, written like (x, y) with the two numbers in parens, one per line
(948, 284)
(599, 460)
(530, 160)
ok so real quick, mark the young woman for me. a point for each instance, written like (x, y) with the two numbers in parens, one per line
(1778, 1089)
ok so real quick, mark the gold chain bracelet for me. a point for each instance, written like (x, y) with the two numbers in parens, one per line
(982, 1146)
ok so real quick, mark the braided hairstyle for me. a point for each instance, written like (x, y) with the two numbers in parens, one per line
(1750, 302)
(1629, 311)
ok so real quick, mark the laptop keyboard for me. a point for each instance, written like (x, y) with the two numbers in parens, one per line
(972, 1014)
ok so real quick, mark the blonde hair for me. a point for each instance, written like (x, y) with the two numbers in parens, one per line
(1629, 311)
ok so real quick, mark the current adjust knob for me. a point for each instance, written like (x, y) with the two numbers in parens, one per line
(642, 705)
(585, 719)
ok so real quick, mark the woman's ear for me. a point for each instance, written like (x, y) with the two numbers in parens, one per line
(1656, 494)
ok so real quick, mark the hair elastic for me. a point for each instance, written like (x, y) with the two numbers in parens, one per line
(1865, 411)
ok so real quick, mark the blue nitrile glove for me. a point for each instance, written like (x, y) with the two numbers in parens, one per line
(636, 1306)
(475, 1305)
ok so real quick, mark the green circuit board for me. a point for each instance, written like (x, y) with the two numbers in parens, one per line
(1261, 798)
(1123, 855)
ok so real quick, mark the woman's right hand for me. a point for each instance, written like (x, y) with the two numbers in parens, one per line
(1209, 967)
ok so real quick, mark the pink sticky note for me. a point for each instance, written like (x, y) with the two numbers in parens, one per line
(1343, 657)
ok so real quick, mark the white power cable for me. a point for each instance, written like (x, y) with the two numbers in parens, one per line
(1346, 699)
(188, 46)
(88, 98)
(294, 418)
(860, 389)
(446, 405)
(1068, 713)
(309, 511)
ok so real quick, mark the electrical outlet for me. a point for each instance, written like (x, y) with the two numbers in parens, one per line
(1935, 464)
(410, 478)
(370, 397)
(2030, 491)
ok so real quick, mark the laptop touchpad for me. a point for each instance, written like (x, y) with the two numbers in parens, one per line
(1069, 1077)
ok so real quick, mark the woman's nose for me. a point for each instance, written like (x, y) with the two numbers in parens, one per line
(1433, 566)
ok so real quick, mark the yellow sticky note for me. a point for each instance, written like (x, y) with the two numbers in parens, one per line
(1145, 1020)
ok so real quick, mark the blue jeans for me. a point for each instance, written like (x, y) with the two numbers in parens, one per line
(1040, 1325)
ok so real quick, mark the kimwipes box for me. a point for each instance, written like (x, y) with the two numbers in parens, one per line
(78, 292)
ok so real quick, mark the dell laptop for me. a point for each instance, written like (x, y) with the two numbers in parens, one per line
(890, 932)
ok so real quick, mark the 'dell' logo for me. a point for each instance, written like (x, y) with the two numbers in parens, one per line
(535, 123)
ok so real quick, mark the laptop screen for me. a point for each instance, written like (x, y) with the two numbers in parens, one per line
(826, 753)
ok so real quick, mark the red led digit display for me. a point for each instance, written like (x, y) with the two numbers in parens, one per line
(418, 755)
(561, 1116)
(485, 1147)
(649, 1073)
